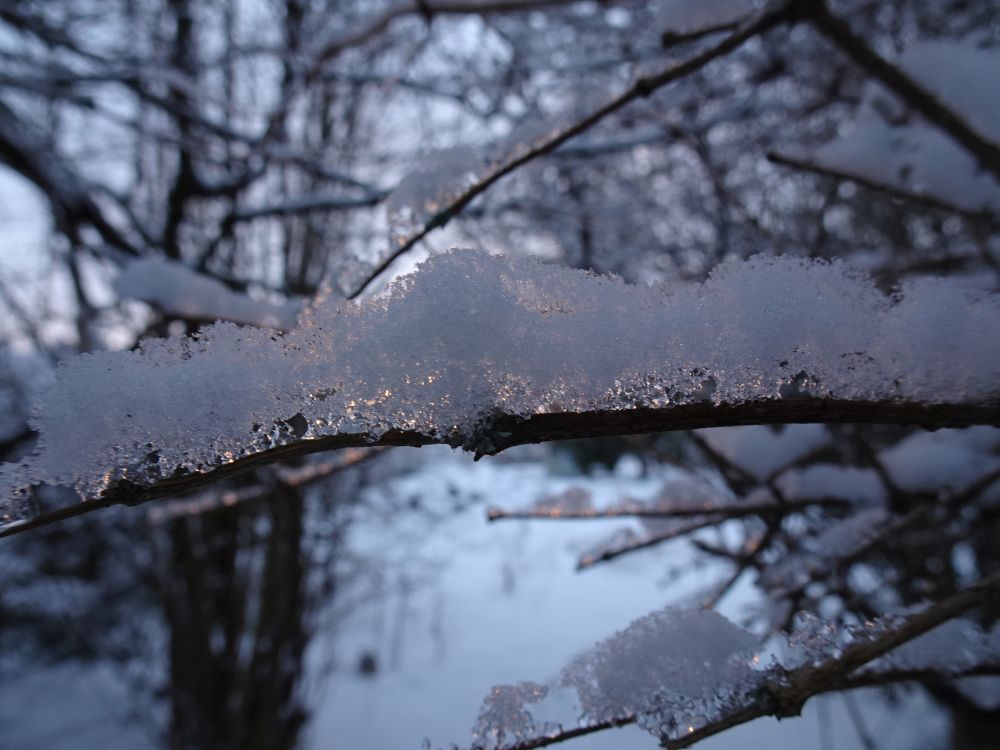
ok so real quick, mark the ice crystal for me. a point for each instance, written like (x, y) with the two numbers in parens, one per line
(672, 671)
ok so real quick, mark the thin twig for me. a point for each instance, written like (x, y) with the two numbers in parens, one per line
(642, 88)
(732, 510)
(924, 199)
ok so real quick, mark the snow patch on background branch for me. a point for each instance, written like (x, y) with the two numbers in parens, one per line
(183, 292)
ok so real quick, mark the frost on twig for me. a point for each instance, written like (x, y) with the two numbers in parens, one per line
(484, 352)
(439, 179)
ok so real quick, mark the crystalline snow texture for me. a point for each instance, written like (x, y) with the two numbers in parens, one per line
(472, 334)
(953, 647)
(505, 718)
(674, 668)
(677, 670)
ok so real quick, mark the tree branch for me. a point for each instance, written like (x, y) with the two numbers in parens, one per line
(286, 476)
(380, 23)
(905, 87)
(507, 431)
(642, 88)
(24, 148)
(783, 694)
(920, 198)
(733, 510)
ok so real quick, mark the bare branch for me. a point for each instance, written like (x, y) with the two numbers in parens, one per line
(609, 553)
(509, 430)
(919, 198)
(289, 476)
(642, 88)
(734, 510)
(917, 97)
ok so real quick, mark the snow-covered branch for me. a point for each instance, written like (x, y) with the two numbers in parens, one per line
(685, 675)
(923, 100)
(485, 352)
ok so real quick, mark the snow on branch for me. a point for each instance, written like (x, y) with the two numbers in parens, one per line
(684, 675)
(681, 20)
(183, 292)
(484, 352)
(940, 85)
(910, 158)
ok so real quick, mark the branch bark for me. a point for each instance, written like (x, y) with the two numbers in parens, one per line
(506, 431)
(733, 510)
